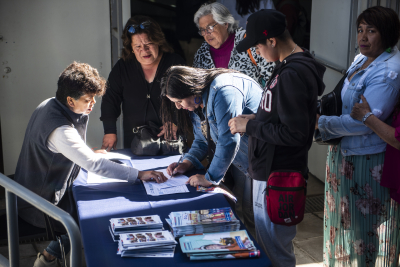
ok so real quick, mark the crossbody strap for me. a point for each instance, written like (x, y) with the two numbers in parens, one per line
(250, 55)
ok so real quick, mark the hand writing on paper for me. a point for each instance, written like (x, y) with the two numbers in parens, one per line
(152, 176)
(198, 179)
(175, 168)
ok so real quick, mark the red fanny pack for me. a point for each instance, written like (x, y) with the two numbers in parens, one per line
(286, 197)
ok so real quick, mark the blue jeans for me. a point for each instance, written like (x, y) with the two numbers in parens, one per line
(54, 247)
(274, 239)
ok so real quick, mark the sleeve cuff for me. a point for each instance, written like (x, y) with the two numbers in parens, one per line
(110, 126)
(322, 130)
(208, 178)
(133, 175)
(251, 127)
(196, 163)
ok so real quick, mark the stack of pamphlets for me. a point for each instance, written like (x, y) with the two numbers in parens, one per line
(134, 225)
(226, 245)
(147, 244)
(202, 221)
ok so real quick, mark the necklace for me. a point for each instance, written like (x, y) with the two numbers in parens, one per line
(293, 50)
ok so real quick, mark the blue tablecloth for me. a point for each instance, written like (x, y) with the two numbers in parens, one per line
(98, 203)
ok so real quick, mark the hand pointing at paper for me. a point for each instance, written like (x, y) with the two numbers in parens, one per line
(156, 176)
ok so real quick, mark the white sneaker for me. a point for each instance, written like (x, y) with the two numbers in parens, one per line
(42, 262)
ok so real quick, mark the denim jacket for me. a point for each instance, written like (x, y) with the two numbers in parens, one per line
(229, 95)
(380, 84)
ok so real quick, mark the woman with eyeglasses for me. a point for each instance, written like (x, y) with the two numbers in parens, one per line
(134, 81)
(222, 34)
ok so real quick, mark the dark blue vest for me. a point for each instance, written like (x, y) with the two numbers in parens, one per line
(48, 174)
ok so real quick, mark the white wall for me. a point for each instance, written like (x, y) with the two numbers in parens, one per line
(329, 37)
(40, 39)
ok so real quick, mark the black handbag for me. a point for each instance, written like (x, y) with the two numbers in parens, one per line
(330, 105)
(145, 142)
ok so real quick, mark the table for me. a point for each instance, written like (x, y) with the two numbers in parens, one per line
(98, 203)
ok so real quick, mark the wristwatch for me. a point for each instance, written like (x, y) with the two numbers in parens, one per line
(366, 116)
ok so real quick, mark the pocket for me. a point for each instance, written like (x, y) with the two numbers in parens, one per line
(286, 196)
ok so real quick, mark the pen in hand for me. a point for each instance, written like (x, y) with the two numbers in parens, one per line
(179, 161)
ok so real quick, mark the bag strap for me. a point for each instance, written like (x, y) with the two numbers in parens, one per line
(250, 55)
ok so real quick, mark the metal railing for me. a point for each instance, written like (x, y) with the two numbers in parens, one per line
(13, 189)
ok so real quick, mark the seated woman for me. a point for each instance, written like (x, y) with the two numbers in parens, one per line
(361, 221)
(217, 95)
(134, 81)
(389, 134)
(221, 34)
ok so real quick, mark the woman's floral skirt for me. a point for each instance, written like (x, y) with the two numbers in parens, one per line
(361, 221)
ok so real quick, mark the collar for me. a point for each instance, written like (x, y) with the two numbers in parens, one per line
(381, 58)
(76, 118)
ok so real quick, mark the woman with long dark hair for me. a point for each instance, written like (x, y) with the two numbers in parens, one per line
(214, 96)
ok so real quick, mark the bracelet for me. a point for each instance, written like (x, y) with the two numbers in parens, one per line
(366, 117)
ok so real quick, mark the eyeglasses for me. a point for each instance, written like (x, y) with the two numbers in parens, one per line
(133, 28)
(208, 29)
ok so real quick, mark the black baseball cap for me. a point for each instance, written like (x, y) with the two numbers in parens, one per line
(262, 25)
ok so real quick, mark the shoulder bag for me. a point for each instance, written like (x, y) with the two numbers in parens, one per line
(330, 105)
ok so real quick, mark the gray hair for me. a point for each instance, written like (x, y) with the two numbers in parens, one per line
(220, 14)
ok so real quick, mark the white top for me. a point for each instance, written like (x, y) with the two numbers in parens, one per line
(67, 141)
(231, 5)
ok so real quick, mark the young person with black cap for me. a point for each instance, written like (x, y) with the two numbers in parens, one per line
(284, 122)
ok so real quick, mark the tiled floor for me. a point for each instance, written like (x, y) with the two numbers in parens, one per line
(308, 242)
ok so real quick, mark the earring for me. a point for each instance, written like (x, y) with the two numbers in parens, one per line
(197, 100)
(272, 46)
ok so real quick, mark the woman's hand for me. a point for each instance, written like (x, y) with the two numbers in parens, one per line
(198, 179)
(238, 124)
(175, 168)
(166, 134)
(109, 142)
(316, 121)
(359, 110)
(152, 176)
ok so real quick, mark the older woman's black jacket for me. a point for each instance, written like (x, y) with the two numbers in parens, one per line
(127, 86)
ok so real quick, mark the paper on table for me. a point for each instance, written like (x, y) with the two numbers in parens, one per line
(175, 180)
(150, 164)
(153, 190)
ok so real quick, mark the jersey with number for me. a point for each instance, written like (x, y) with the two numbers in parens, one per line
(286, 116)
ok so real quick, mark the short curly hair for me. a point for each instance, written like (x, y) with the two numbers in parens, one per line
(77, 80)
(153, 32)
(386, 22)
